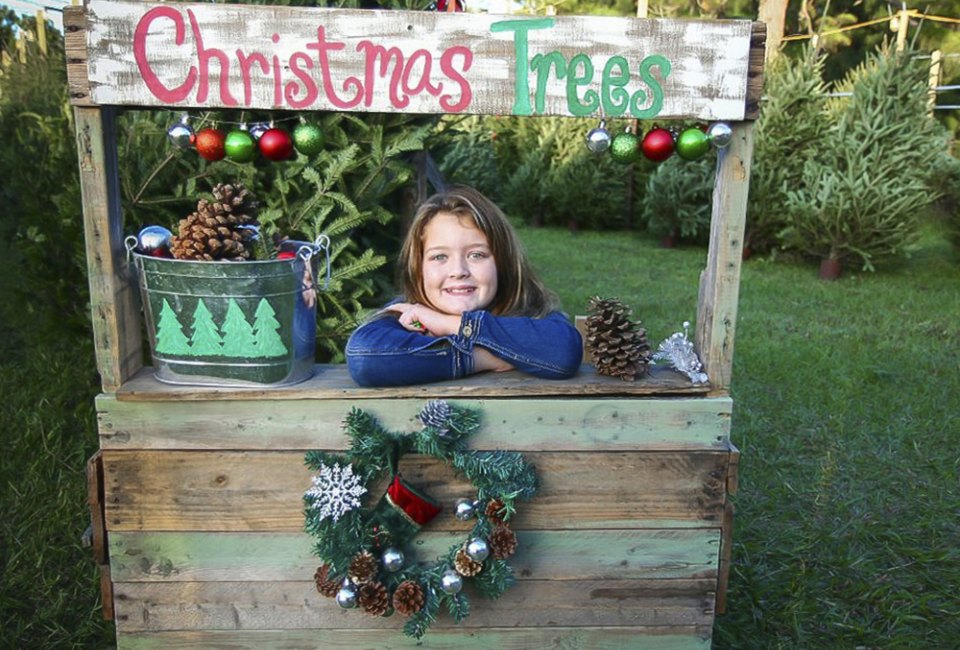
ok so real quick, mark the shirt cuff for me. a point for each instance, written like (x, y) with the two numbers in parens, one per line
(470, 323)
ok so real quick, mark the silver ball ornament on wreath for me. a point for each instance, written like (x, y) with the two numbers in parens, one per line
(154, 241)
(477, 549)
(347, 596)
(720, 134)
(598, 139)
(451, 582)
(392, 559)
(466, 509)
(181, 134)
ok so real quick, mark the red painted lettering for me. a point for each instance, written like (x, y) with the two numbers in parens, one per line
(204, 55)
(310, 87)
(425, 72)
(161, 92)
(245, 62)
(446, 65)
(372, 53)
(322, 47)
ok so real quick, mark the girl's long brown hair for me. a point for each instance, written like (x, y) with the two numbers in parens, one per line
(519, 291)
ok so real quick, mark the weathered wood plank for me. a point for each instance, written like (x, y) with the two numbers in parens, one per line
(113, 299)
(144, 606)
(720, 280)
(262, 491)
(519, 424)
(75, 48)
(415, 62)
(541, 555)
(331, 381)
(758, 44)
(674, 637)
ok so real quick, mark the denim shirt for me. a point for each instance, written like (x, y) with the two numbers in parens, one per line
(382, 353)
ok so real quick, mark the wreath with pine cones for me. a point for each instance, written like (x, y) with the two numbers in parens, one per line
(363, 548)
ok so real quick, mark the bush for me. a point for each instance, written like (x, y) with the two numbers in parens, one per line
(466, 156)
(679, 199)
(862, 197)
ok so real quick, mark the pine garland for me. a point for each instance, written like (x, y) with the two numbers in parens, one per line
(497, 476)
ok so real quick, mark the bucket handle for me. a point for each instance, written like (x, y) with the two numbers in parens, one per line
(321, 243)
(131, 243)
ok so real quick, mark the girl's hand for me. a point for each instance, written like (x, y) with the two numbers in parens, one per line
(417, 318)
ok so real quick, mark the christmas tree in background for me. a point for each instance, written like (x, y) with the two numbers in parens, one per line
(170, 336)
(238, 339)
(206, 341)
(266, 326)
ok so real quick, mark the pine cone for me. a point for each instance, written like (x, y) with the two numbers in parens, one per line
(222, 229)
(494, 506)
(374, 598)
(502, 543)
(618, 345)
(325, 586)
(408, 598)
(436, 414)
(465, 565)
(363, 567)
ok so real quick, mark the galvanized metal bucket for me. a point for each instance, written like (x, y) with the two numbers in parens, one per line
(232, 323)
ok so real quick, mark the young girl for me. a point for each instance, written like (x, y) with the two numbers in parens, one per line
(470, 302)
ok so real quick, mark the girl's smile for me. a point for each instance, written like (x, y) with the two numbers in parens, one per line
(459, 272)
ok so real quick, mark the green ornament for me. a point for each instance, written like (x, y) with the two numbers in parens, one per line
(625, 147)
(692, 144)
(240, 146)
(308, 139)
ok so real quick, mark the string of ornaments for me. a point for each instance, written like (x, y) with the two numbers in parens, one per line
(242, 143)
(364, 549)
(659, 143)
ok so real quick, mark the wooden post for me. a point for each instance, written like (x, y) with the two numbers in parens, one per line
(42, 31)
(21, 47)
(936, 58)
(774, 14)
(903, 21)
(720, 280)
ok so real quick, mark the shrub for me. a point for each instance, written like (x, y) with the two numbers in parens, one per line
(862, 196)
(679, 197)
(467, 156)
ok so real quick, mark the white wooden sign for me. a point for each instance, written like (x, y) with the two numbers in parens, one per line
(283, 58)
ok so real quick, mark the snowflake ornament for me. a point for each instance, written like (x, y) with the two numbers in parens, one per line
(336, 491)
(678, 351)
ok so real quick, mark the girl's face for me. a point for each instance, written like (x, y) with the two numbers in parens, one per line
(459, 272)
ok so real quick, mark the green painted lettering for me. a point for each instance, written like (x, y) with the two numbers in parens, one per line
(616, 75)
(541, 63)
(521, 71)
(656, 90)
(581, 63)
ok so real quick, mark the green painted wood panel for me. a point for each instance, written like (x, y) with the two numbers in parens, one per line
(580, 638)
(541, 555)
(522, 424)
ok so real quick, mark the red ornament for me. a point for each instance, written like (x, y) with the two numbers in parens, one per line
(286, 255)
(276, 144)
(210, 144)
(450, 5)
(657, 145)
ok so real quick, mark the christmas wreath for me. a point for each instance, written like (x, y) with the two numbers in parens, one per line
(362, 548)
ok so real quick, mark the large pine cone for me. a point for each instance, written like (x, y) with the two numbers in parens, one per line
(222, 229)
(325, 586)
(502, 543)
(408, 598)
(363, 567)
(619, 346)
(374, 598)
(465, 565)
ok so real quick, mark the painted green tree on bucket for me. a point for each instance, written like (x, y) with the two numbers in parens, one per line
(266, 326)
(170, 336)
(206, 341)
(238, 339)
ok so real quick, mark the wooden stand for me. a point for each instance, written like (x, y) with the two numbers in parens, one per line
(628, 541)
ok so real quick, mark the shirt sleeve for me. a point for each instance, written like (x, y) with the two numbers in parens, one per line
(548, 348)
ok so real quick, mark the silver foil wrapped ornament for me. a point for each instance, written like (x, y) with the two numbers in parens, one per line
(347, 596)
(258, 129)
(477, 549)
(451, 582)
(599, 139)
(392, 559)
(154, 241)
(466, 509)
(720, 134)
(181, 134)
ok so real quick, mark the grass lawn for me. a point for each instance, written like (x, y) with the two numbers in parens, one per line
(847, 412)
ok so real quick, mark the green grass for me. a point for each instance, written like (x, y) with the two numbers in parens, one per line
(847, 414)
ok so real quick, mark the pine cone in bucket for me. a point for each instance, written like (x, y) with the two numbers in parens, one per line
(223, 229)
(619, 346)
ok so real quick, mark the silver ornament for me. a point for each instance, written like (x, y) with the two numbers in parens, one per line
(466, 509)
(451, 582)
(258, 129)
(598, 139)
(477, 549)
(347, 596)
(720, 134)
(181, 134)
(392, 559)
(154, 240)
